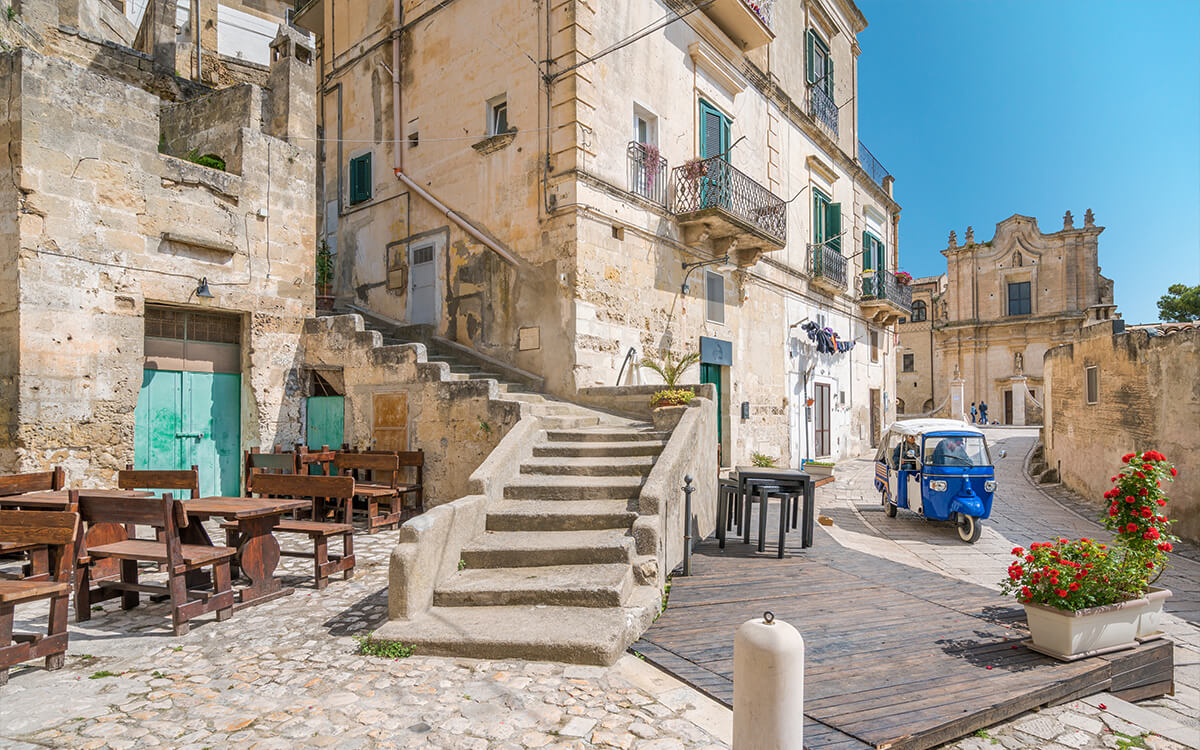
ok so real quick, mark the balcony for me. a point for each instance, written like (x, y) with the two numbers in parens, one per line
(647, 172)
(822, 108)
(746, 22)
(715, 201)
(884, 298)
(828, 270)
(872, 166)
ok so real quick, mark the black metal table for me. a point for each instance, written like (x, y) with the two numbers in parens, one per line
(765, 481)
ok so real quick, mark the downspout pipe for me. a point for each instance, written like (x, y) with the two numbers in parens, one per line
(465, 225)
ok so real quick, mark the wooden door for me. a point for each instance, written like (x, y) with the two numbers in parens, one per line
(822, 439)
(389, 422)
(1008, 407)
(325, 423)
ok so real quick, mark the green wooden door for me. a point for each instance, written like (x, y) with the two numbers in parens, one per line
(326, 418)
(186, 419)
(712, 374)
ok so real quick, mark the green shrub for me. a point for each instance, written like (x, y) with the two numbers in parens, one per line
(368, 646)
(212, 161)
(672, 397)
(762, 460)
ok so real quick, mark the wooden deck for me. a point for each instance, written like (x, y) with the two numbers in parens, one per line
(896, 657)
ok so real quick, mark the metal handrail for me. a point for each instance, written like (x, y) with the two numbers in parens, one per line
(872, 166)
(829, 264)
(715, 183)
(647, 172)
(822, 107)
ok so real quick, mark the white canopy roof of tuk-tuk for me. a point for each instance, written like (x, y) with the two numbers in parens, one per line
(922, 426)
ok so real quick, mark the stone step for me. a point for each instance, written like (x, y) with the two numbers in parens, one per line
(550, 487)
(559, 515)
(604, 435)
(523, 549)
(552, 585)
(528, 397)
(576, 635)
(568, 422)
(569, 450)
(596, 466)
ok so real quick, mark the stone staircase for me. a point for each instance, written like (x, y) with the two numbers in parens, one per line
(557, 574)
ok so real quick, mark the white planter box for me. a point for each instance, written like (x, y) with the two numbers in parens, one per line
(1150, 621)
(1073, 635)
(818, 471)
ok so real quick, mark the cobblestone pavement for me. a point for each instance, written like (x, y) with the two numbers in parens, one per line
(1024, 513)
(284, 674)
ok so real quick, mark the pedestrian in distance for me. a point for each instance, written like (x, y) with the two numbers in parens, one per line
(983, 412)
(972, 412)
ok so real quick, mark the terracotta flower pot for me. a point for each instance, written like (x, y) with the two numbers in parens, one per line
(1068, 635)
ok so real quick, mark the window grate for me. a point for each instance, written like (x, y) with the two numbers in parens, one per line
(423, 255)
(184, 325)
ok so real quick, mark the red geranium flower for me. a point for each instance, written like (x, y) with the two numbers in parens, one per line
(1061, 592)
(1126, 457)
(1131, 527)
(1018, 551)
(1074, 587)
(1174, 472)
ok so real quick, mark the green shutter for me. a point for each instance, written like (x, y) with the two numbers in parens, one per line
(882, 249)
(829, 74)
(834, 224)
(818, 218)
(809, 43)
(360, 178)
(868, 251)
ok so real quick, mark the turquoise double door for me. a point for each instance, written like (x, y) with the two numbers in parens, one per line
(186, 419)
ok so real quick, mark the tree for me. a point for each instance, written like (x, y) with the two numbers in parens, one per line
(1181, 304)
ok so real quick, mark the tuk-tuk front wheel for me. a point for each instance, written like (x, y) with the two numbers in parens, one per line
(969, 528)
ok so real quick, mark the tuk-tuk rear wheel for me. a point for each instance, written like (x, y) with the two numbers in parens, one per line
(889, 507)
(969, 528)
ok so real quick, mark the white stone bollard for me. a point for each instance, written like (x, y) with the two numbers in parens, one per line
(768, 686)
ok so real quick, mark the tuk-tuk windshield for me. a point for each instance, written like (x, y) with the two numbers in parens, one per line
(956, 450)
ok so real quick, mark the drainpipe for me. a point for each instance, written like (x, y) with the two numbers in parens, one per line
(397, 145)
(461, 222)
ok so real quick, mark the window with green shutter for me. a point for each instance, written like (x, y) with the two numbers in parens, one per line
(819, 63)
(874, 258)
(360, 179)
(827, 222)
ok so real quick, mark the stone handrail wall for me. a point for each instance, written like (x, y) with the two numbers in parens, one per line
(690, 451)
(634, 400)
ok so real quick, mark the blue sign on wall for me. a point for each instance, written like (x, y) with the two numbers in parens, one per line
(716, 351)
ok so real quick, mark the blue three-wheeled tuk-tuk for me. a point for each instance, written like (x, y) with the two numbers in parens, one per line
(939, 468)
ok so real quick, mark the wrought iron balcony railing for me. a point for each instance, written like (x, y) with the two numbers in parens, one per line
(648, 175)
(821, 107)
(871, 165)
(828, 266)
(715, 183)
(882, 285)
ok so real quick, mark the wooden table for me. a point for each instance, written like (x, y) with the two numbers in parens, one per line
(258, 550)
(58, 499)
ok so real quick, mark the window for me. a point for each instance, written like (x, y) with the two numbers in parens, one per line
(919, 311)
(1018, 298)
(497, 115)
(414, 139)
(820, 64)
(874, 346)
(715, 129)
(360, 179)
(827, 222)
(1092, 375)
(714, 288)
(874, 258)
(909, 364)
(645, 126)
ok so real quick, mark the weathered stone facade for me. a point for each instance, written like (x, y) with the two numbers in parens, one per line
(100, 221)
(1005, 302)
(1145, 396)
(589, 242)
(917, 356)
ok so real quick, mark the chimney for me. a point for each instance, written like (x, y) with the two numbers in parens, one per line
(291, 98)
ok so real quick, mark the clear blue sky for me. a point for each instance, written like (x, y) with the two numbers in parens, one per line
(986, 109)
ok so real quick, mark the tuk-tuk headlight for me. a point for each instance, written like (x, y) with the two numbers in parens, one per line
(990, 485)
(937, 485)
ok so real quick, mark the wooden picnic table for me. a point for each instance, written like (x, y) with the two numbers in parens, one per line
(258, 550)
(58, 499)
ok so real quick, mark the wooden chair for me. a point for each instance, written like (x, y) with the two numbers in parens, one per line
(279, 462)
(322, 460)
(321, 491)
(377, 482)
(409, 460)
(58, 531)
(19, 484)
(168, 514)
(151, 479)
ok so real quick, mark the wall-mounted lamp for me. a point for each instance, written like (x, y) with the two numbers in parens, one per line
(202, 288)
(722, 264)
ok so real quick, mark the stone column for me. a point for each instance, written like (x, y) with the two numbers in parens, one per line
(956, 399)
(1018, 396)
(291, 95)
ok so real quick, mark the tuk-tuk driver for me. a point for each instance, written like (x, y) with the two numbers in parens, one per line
(951, 452)
(901, 457)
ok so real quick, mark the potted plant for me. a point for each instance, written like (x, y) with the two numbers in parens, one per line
(670, 403)
(903, 278)
(324, 268)
(1084, 598)
(818, 468)
(652, 162)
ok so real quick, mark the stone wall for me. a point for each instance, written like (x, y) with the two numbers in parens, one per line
(106, 225)
(456, 423)
(210, 124)
(1149, 398)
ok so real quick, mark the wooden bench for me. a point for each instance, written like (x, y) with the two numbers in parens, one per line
(395, 485)
(159, 480)
(56, 531)
(19, 484)
(321, 491)
(165, 513)
(376, 480)
(321, 459)
(279, 462)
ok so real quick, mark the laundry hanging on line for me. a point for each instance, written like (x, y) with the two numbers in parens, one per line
(826, 340)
